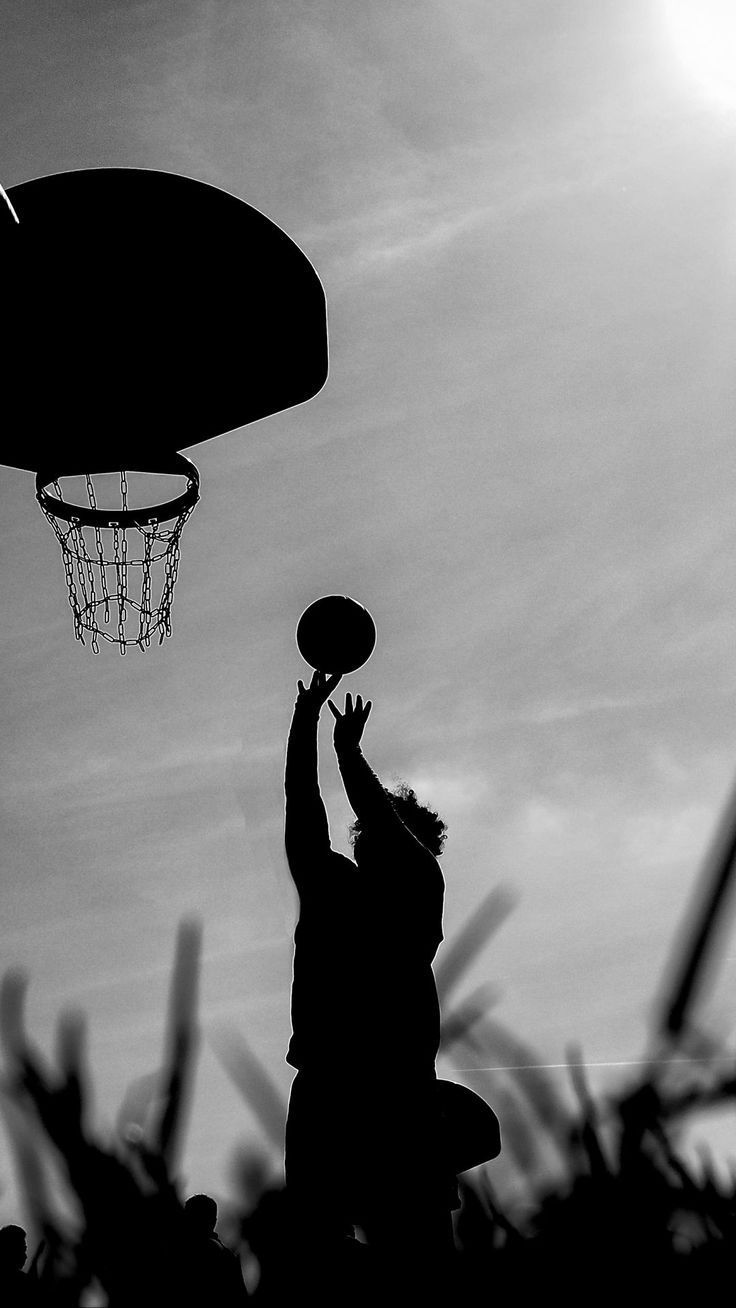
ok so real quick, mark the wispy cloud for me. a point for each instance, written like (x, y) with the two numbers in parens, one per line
(450, 792)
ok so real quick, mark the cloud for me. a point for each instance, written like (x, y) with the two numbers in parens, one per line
(449, 792)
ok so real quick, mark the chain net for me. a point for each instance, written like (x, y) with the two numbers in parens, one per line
(120, 579)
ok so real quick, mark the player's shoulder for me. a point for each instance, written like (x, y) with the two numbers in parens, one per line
(333, 867)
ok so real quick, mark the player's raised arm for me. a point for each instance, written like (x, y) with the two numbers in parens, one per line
(367, 797)
(306, 827)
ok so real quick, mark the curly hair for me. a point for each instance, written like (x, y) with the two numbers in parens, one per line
(423, 822)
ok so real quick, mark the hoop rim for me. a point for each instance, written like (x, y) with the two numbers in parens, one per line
(174, 464)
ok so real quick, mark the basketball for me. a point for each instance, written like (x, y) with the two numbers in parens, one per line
(336, 634)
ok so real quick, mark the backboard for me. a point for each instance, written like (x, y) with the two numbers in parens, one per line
(143, 313)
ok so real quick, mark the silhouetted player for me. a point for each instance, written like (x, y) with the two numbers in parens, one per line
(365, 1015)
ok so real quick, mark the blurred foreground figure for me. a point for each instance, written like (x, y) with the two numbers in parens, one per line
(16, 1288)
(215, 1276)
(363, 1110)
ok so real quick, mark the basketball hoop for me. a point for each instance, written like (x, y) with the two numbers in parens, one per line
(103, 571)
(144, 313)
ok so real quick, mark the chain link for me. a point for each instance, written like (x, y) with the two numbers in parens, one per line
(100, 550)
(144, 632)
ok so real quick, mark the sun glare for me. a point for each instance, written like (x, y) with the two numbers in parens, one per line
(703, 33)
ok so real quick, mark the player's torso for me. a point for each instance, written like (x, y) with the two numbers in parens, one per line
(362, 974)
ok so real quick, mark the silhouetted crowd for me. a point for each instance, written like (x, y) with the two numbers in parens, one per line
(398, 1187)
(626, 1218)
(201, 1269)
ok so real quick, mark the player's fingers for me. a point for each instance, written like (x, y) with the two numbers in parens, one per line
(348, 703)
(300, 687)
(335, 711)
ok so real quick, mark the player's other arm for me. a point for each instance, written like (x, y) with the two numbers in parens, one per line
(307, 830)
(419, 890)
(368, 799)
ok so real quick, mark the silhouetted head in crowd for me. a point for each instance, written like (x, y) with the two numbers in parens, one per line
(423, 822)
(201, 1214)
(13, 1249)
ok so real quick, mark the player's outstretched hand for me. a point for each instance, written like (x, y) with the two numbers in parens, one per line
(349, 725)
(319, 689)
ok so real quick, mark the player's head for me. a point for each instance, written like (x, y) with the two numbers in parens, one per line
(201, 1213)
(13, 1248)
(423, 822)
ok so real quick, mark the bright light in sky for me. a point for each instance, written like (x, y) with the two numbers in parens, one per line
(704, 35)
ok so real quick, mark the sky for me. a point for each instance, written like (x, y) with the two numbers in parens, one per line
(524, 219)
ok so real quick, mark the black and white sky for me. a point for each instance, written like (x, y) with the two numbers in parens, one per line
(524, 218)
